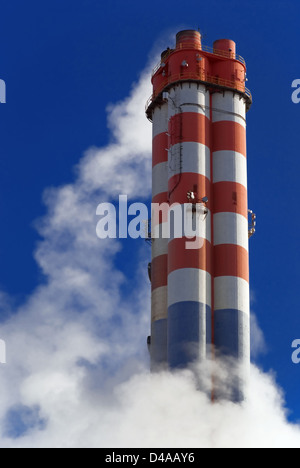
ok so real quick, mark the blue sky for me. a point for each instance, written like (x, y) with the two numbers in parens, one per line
(65, 61)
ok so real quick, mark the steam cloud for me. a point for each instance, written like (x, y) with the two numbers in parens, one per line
(77, 371)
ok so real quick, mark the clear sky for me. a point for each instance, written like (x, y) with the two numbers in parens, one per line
(65, 61)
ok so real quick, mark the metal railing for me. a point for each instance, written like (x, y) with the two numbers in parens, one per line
(248, 93)
(157, 67)
(224, 53)
(210, 50)
(201, 76)
(148, 103)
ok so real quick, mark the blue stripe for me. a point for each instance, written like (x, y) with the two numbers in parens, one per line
(185, 332)
(232, 340)
(158, 349)
(232, 333)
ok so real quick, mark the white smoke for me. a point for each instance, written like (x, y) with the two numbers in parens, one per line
(77, 365)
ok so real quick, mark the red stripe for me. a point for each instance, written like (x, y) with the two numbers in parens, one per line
(159, 213)
(180, 257)
(212, 261)
(181, 184)
(159, 149)
(189, 126)
(230, 197)
(229, 136)
(159, 271)
(231, 260)
(160, 198)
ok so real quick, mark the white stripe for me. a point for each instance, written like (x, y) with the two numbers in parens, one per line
(162, 230)
(190, 97)
(180, 228)
(232, 293)
(189, 284)
(159, 308)
(194, 158)
(182, 223)
(159, 178)
(159, 247)
(229, 166)
(229, 106)
(231, 228)
(158, 228)
(160, 120)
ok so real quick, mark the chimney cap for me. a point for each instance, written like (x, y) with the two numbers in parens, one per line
(188, 36)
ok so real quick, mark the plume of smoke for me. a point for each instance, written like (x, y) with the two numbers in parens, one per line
(77, 365)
